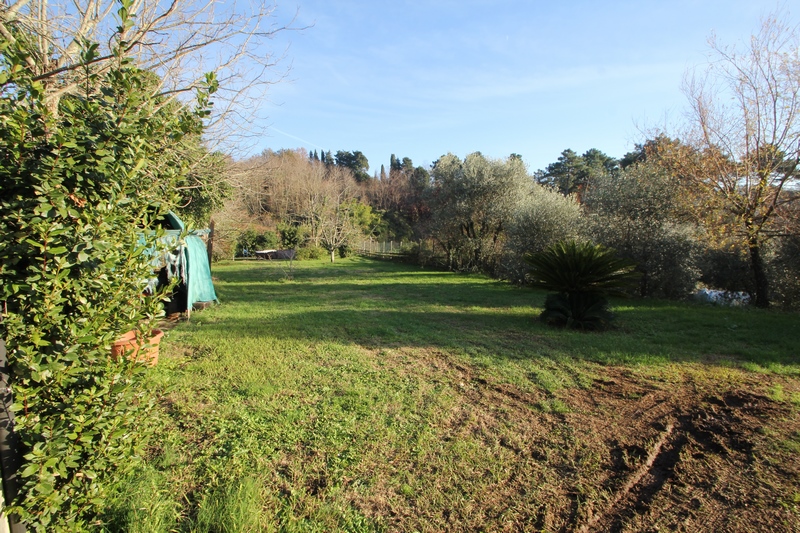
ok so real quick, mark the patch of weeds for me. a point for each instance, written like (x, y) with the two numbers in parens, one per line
(234, 507)
(552, 405)
(792, 444)
(546, 379)
(776, 393)
(143, 504)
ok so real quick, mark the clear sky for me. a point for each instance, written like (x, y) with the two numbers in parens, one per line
(421, 78)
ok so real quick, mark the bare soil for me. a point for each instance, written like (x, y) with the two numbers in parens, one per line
(627, 453)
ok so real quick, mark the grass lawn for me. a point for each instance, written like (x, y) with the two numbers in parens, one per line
(372, 396)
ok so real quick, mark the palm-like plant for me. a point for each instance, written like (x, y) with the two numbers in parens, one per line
(582, 275)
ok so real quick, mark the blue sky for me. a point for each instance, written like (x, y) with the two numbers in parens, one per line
(423, 78)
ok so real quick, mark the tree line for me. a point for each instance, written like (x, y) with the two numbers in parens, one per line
(654, 206)
(715, 202)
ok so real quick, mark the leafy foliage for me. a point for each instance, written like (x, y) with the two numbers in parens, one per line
(582, 275)
(251, 240)
(79, 189)
(310, 252)
(636, 212)
(542, 218)
(471, 203)
(570, 266)
(784, 270)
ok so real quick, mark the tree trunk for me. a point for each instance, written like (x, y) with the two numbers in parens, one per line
(759, 274)
(333, 253)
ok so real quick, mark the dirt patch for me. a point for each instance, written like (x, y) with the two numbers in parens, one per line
(626, 454)
(689, 460)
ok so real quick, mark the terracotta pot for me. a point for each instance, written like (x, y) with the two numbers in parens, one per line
(130, 345)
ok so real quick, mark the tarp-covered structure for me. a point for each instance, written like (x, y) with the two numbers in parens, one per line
(187, 260)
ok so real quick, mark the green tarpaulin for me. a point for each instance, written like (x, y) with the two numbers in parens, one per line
(199, 287)
(187, 259)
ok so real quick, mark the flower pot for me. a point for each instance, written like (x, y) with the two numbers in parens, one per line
(132, 346)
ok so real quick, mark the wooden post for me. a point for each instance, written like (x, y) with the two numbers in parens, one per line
(210, 242)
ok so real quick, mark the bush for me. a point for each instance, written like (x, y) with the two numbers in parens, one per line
(78, 190)
(582, 275)
(311, 252)
(345, 250)
(727, 269)
(667, 256)
(291, 236)
(784, 271)
(252, 240)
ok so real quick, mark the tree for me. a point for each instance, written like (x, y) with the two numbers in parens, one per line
(172, 39)
(542, 218)
(400, 196)
(338, 222)
(472, 202)
(573, 173)
(356, 162)
(636, 212)
(745, 122)
(287, 189)
(564, 174)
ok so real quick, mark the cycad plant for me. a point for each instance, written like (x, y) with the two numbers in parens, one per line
(582, 275)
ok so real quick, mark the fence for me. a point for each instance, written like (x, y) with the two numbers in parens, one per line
(381, 247)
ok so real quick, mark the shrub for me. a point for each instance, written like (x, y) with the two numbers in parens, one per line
(784, 271)
(345, 250)
(726, 269)
(78, 191)
(582, 275)
(252, 240)
(291, 236)
(311, 252)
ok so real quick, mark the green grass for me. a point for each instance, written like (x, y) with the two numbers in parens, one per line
(339, 400)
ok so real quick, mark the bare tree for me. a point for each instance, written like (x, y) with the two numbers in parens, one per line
(334, 217)
(285, 187)
(745, 118)
(178, 40)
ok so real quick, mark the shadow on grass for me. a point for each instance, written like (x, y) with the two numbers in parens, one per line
(382, 304)
(389, 306)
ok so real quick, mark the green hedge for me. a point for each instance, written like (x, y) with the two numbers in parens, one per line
(80, 184)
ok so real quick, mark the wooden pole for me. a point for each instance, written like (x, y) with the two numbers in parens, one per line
(210, 242)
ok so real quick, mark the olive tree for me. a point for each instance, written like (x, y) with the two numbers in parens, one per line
(542, 217)
(472, 201)
(637, 212)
